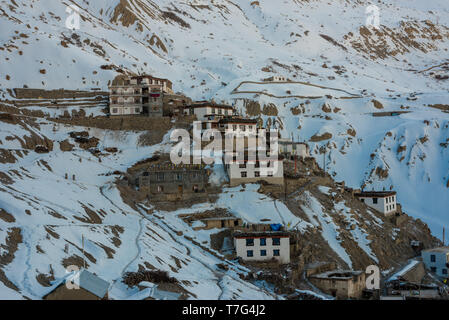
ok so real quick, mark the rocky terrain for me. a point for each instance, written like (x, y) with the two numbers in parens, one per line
(376, 99)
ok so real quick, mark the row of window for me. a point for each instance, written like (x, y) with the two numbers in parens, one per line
(390, 207)
(256, 165)
(178, 176)
(244, 174)
(222, 111)
(263, 253)
(390, 199)
(263, 242)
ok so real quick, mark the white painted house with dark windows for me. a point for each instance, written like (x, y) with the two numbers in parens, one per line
(263, 246)
(382, 201)
(437, 261)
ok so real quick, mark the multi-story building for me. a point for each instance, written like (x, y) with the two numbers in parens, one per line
(263, 246)
(382, 201)
(131, 95)
(204, 110)
(437, 261)
(342, 284)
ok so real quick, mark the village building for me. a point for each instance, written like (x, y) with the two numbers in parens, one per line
(238, 126)
(382, 201)
(84, 286)
(204, 110)
(222, 222)
(133, 95)
(263, 246)
(276, 79)
(437, 261)
(177, 181)
(289, 149)
(342, 284)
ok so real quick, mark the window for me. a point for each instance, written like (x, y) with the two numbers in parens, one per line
(243, 174)
(160, 189)
(249, 242)
(375, 200)
(270, 173)
(363, 200)
(160, 176)
(234, 127)
(263, 253)
(444, 271)
(249, 253)
(242, 128)
(433, 269)
(276, 241)
(257, 174)
(219, 111)
(179, 177)
(432, 258)
(276, 253)
(242, 165)
(263, 241)
(388, 199)
(250, 127)
(114, 110)
(137, 110)
(213, 110)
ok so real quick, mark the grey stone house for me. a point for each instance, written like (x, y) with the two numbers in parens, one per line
(170, 181)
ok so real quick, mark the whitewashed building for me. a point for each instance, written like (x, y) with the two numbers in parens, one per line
(263, 246)
(382, 201)
(437, 261)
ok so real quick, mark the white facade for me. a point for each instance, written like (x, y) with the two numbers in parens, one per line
(437, 261)
(271, 171)
(239, 128)
(262, 247)
(384, 202)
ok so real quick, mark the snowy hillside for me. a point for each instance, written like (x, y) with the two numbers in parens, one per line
(377, 98)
